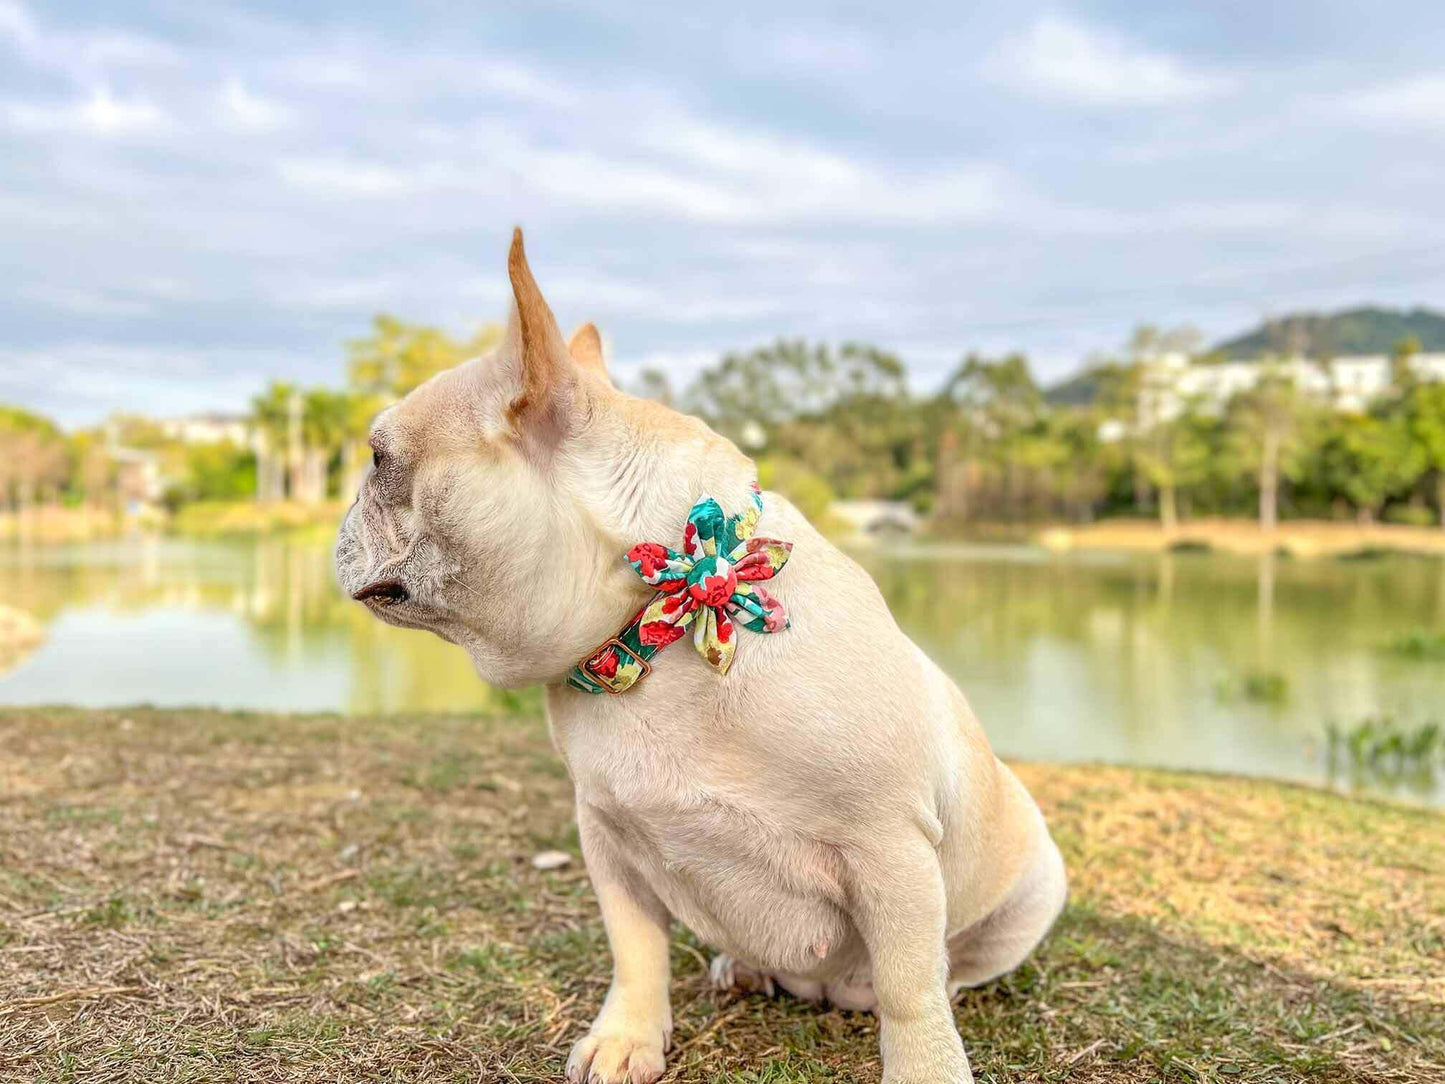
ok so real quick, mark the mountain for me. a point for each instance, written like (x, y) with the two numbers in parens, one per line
(1081, 389)
(1366, 330)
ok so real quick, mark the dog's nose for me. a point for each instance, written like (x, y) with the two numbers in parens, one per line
(386, 591)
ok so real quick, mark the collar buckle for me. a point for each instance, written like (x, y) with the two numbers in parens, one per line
(609, 684)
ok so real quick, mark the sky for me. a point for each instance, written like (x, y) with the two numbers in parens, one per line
(197, 199)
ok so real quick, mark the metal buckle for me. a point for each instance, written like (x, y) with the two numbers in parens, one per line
(605, 682)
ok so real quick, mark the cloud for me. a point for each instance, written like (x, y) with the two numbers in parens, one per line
(1413, 102)
(243, 109)
(82, 56)
(1068, 61)
(348, 177)
(100, 113)
(79, 382)
(82, 302)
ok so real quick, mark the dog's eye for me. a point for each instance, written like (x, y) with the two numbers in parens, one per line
(375, 459)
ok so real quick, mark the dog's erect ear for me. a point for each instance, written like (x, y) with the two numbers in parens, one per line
(537, 341)
(585, 346)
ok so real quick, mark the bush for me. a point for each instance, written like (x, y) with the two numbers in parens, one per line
(805, 487)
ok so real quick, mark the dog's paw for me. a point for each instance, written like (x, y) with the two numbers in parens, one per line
(727, 973)
(607, 1057)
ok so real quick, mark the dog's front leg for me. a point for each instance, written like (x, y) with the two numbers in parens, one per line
(627, 1041)
(901, 911)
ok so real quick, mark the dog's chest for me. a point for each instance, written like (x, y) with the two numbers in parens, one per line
(729, 867)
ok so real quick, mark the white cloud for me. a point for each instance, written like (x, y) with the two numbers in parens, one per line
(347, 177)
(16, 24)
(101, 113)
(83, 302)
(82, 56)
(1072, 62)
(1417, 101)
(81, 382)
(244, 109)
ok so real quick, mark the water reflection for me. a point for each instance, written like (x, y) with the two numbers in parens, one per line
(1136, 659)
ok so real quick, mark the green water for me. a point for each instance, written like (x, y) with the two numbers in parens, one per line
(1188, 660)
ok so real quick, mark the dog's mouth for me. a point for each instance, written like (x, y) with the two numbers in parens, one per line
(382, 593)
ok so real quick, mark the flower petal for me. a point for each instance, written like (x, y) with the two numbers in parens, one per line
(705, 525)
(760, 558)
(659, 566)
(665, 619)
(715, 638)
(741, 527)
(756, 610)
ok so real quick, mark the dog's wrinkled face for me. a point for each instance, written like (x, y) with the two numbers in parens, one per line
(503, 491)
(464, 526)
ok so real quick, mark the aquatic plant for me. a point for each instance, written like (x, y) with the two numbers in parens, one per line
(1419, 644)
(1258, 686)
(1380, 739)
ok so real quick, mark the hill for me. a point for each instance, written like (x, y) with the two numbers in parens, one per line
(1366, 330)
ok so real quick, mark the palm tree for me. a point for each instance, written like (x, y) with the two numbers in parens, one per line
(271, 413)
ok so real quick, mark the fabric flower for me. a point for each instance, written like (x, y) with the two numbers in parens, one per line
(712, 586)
(712, 581)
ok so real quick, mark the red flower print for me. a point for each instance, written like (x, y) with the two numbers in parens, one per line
(604, 663)
(659, 633)
(649, 557)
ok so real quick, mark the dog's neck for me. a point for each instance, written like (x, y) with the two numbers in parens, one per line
(638, 485)
(635, 485)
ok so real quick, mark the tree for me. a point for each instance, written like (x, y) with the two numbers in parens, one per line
(1426, 412)
(398, 356)
(33, 457)
(1368, 458)
(1175, 455)
(847, 412)
(1402, 365)
(989, 405)
(327, 420)
(1264, 427)
(654, 383)
(270, 424)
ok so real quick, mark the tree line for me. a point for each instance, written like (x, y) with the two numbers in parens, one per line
(989, 445)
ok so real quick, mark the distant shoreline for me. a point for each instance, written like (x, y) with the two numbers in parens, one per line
(1295, 538)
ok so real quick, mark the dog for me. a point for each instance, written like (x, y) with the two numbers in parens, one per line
(827, 815)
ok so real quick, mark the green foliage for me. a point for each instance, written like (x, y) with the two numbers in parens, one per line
(397, 356)
(805, 487)
(215, 472)
(845, 412)
(1419, 644)
(1259, 687)
(1381, 740)
(1367, 458)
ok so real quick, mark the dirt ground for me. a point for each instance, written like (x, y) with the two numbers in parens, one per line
(192, 896)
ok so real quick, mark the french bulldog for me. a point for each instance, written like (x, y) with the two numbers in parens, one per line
(827, 815)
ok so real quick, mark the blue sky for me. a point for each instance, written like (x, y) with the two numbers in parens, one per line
(196, 199)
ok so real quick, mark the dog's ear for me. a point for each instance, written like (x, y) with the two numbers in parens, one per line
(585, 346)
(534, 343)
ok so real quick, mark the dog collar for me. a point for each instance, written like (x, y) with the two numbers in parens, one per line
(713, 585)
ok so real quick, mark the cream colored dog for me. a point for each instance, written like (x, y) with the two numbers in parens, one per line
(828, 815)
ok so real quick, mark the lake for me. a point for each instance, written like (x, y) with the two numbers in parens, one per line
(1184, 660)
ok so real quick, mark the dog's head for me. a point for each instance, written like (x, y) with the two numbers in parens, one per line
(502, 493)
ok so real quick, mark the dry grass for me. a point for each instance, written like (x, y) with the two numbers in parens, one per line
(187, 896)
(1299, 538)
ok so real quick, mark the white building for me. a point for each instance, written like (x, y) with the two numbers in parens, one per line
(1349, 383)
(208, 429)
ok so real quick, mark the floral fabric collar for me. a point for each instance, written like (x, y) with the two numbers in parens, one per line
(712, 585)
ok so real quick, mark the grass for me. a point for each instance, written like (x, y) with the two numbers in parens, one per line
(189, 896)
